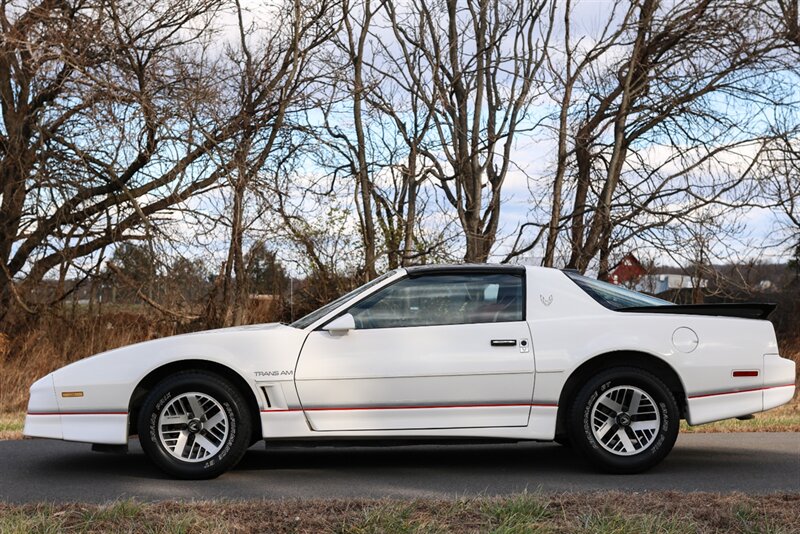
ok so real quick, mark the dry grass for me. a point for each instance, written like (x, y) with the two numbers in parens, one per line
(600, 513)
(56, 341)
(11, 425)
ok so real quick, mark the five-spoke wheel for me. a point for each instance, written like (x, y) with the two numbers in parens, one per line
(195, 425)
(624, 420)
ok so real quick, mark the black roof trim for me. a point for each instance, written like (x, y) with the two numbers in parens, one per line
(744, 310)
(419, 270)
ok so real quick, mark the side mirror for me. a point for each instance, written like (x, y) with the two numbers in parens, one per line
(341, 325)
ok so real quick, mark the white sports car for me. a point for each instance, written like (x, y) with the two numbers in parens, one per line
(436, 352)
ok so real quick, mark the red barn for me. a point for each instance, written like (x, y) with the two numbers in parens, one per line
(628, 270)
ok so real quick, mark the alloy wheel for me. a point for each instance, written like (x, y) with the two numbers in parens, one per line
(625, 420)
(193, 427)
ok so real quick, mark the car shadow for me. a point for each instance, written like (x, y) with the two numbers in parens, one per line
(76, 459)
(495, 457)
(546, 464)
(79, 460)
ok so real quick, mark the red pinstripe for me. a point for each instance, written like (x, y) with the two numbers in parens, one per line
(77, 413)
(740, 391)
(353, 408)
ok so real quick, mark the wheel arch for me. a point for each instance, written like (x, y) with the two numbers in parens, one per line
(155, 376)
(627, 358)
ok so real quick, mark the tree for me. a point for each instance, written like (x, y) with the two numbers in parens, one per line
(104, 124)
(370, 136)
(780, 182)
(476, 68)
(357, 34)
(659, 116)
(137, 264)
(265, 273)
(273, 68)
(186, 283)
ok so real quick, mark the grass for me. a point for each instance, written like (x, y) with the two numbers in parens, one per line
(124, 516)
(597, 513)
(11, 425)
(620, 523)
(57, 341)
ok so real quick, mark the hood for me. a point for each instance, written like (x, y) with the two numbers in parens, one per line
(244, 349)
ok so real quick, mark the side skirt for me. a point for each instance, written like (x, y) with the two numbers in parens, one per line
(292, 424)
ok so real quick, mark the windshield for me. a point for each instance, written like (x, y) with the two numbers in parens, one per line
(329, 307)
(614, 297)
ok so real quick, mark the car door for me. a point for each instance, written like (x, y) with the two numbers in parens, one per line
(438, 350)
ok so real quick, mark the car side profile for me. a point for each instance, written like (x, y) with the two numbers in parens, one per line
(442, 352)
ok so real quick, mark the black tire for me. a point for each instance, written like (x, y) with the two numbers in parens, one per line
(563, 440)
(661, 414)
(230, 403)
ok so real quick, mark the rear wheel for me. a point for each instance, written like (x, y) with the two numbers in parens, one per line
(624, 420)
(195, 425)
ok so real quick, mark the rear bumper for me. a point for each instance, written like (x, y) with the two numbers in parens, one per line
(779, 373)
(778, 388)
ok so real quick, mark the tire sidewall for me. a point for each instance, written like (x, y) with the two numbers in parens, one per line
(583, 437)
(232, 403)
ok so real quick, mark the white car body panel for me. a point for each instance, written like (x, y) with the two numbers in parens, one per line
(435, 381)
(388, 378)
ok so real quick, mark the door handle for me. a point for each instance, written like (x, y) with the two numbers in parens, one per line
(504, 342)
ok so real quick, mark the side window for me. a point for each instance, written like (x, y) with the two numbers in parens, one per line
(439, 299)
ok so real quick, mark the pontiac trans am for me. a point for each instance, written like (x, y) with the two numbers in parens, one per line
(431, 353)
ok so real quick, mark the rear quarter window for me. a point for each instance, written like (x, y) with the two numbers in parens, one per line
(611, 296)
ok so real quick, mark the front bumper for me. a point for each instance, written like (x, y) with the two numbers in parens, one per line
(46, 419)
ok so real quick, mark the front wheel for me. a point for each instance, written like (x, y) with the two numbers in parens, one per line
(194, 425)
(624, 420)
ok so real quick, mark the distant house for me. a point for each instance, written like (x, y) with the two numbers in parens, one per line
(629, 271)
(661, 283)
(659, 280)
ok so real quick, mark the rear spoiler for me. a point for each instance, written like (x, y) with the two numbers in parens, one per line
(744, 310)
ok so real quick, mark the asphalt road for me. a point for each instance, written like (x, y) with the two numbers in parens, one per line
(43, 470)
